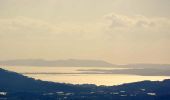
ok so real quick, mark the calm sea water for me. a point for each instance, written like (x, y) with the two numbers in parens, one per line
(71, 75)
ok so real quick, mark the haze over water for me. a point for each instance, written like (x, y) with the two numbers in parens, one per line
(73, 75)
(116, 31)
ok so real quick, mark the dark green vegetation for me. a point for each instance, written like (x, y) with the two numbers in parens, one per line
(15, 86)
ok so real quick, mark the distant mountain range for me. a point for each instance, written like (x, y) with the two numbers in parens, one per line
(131, 69)
(60, 63)
(14, 86)
(77, 63)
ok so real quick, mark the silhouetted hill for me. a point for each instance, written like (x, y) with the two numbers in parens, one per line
(14, 82)
(14, 86)
(60, 63)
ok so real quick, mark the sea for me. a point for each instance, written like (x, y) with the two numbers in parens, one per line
(75, 75)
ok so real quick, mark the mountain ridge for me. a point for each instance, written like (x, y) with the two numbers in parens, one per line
(76, 63)
(60, 63)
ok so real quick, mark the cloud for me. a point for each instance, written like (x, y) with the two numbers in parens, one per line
(136, 28)
(112, 36)
(31, 27)
(113, 25)
(22, 26)
(124, 21)
(116, 20)
(37, 37)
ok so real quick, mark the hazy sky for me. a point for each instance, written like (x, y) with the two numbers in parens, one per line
(118, 31)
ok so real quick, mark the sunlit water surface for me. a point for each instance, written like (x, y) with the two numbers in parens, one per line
(70, 75)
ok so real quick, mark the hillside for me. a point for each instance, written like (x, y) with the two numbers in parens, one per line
(14, 86)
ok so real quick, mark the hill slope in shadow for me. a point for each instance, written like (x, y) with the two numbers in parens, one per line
(15, 86)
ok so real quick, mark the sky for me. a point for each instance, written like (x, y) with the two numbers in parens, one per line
(117, 31)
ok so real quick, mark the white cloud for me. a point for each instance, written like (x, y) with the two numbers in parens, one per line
(113, 24)
(137, 28)
(113, 36)
(139, 21)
